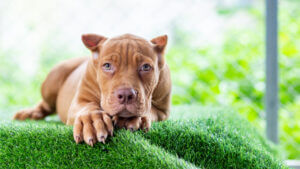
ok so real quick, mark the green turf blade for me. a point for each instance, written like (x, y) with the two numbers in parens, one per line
(194, 137)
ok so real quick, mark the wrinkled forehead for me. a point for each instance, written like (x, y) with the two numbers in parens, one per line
(127, 47)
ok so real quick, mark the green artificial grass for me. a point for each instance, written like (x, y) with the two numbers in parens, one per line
(194, 137)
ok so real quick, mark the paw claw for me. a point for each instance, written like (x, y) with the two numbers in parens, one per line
(111, 133)
(131, 129)
(115, 120)
(146, 129)
(91, 142)
(77, 139)
(102, 139)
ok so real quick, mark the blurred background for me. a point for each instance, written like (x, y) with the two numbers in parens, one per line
(216, 51)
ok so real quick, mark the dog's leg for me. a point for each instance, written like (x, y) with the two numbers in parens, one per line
(49, 90)
(44, 107)
(90, 123)
(159, 113)
(40, 111)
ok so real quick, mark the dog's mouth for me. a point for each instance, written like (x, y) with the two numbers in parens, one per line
(123, 110)
(126, 113)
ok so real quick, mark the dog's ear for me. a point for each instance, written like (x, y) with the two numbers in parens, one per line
(93, 42)
(160, 44)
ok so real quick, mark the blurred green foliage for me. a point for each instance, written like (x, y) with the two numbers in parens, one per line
(233, 74)
(230, 74)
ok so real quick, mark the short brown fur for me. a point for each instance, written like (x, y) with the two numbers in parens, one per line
(85, 92)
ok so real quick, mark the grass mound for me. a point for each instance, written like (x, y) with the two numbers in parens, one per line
(193, 138)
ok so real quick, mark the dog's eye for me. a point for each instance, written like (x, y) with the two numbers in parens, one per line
(146, 67)
(106, 66)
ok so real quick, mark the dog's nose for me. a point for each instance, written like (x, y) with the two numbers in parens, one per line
(126, 95)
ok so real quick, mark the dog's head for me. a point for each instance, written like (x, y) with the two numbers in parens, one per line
(128, 69)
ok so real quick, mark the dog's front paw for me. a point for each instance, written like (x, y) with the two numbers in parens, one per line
(92, 127)
(133, 123)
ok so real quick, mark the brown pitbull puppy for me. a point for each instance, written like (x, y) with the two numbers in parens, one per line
(125, 82)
